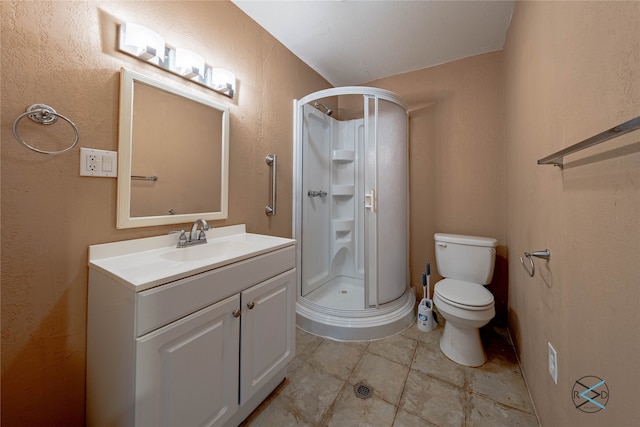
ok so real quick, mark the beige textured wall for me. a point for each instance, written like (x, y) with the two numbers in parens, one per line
(569, 70)
(573, 70)
(62, 54)
(456, 159)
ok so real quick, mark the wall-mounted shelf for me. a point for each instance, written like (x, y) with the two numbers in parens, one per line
(557, 158)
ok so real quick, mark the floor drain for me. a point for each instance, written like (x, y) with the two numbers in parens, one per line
(344, 292)
(362, 390)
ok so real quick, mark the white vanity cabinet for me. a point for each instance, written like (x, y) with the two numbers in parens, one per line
(204, 347)
(267, 332)
(187, 372)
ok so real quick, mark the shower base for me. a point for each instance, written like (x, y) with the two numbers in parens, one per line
(342, 293)
(355, 324)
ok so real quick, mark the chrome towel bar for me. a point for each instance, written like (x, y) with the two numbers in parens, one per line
(557, 158)
(544, 254)
(146, 178)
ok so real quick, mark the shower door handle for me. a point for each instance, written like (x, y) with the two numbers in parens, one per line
(370, 200)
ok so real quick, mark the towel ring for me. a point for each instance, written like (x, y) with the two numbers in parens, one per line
(45, 115)
(545, 254)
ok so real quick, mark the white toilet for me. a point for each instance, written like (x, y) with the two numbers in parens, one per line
(466, 263)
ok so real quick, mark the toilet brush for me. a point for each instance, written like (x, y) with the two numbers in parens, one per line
(426, 322)
(426, 283)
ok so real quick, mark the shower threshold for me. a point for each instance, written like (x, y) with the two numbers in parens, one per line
(356, 324)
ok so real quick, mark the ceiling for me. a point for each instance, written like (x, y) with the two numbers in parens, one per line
(353, 42)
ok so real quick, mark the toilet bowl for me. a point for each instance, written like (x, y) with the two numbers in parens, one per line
(466, 263)
(466, 307)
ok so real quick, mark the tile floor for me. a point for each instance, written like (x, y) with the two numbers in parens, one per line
(413, 384)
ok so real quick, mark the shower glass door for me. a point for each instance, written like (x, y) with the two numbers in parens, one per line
(353, 205)
(332, 216)
(386, 198)
(316, 143)
(392, 191)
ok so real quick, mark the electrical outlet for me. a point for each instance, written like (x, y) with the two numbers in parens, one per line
(98, 163)
(553, 363)
(92, 162)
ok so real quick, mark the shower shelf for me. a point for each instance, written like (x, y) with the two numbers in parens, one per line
(342, 224)
(343, 237)
(343, 231)
(342, 190)
(343, 156)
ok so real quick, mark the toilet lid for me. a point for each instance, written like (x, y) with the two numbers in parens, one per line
(465, 293)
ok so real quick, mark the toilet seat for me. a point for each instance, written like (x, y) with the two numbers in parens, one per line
(464, 295)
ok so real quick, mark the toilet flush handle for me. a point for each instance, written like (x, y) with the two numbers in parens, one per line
(442, 245)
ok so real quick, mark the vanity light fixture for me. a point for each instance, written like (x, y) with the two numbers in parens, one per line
(142, 43)
(146, 45)
(189, 64)
(223, 81)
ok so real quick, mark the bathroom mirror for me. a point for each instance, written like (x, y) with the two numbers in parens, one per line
(173, 154)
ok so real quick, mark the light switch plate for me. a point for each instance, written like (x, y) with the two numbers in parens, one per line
(98, 163)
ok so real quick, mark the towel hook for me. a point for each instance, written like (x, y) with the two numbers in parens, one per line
(45, 115)
(544, 254)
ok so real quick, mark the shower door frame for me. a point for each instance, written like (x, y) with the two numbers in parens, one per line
(370, 218)
(355, 324)
(369, 95)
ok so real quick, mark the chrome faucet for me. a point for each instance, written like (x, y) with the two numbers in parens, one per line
(195, 237)
(194, 231)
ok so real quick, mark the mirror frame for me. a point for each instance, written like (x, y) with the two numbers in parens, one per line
(124, 218)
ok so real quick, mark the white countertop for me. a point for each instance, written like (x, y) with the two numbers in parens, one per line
(144, 263)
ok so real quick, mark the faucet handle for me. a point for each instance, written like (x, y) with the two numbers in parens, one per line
(202, 235)
(182, 239)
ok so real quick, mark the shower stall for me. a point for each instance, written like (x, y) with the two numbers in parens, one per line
(351, 213)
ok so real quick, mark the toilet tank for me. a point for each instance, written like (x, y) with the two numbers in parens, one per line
(467, 258)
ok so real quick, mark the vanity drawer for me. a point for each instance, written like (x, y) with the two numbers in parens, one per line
(164, 304)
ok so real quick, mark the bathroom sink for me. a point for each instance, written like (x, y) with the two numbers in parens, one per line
(212, 249)
(148, 262)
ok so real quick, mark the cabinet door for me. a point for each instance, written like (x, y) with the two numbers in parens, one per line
(267, 331)
(187, 371)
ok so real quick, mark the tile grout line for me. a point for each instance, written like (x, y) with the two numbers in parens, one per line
(329, 411)
(406, 378)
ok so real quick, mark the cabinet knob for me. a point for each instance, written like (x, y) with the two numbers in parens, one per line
(236, 313)
(251, 305)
